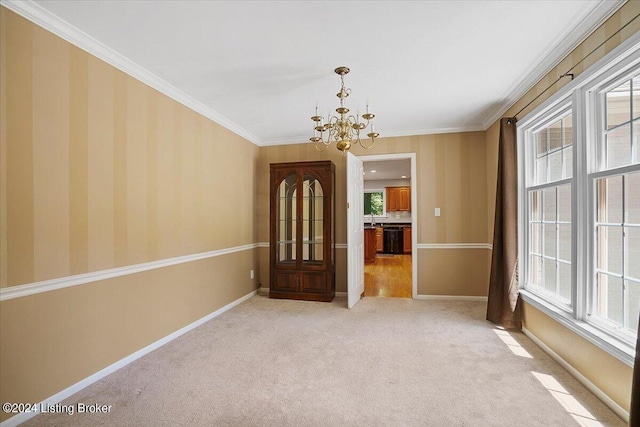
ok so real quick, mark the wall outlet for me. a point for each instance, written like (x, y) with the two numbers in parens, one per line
(252, 274)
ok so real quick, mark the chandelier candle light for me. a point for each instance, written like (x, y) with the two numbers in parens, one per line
(344, 129)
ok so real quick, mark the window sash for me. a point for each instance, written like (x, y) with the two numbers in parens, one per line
(621, 330)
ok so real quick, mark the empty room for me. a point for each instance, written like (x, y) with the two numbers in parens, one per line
(319, 213)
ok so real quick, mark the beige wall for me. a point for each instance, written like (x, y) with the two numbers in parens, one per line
(449, 177)
(98, 171)
(101, 171)
(54, 339)
(607, 373)
(604, 370)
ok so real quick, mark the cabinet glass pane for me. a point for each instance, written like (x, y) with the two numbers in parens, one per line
(312, 220)
(286, 223)
(286, 252)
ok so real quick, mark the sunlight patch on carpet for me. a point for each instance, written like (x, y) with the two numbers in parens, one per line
(513, 345)
(568, 402)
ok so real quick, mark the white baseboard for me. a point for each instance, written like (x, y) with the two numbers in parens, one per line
(619, 410)
(265, 292)
(67, 392)
(451, 297)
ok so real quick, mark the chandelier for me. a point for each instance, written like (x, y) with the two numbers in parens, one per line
(344, 129)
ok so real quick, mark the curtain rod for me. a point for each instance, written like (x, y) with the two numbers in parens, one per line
(569, 73)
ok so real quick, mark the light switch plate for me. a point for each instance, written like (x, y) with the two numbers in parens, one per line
(437, 212)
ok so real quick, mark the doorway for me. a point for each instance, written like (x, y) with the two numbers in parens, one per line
(393, 273)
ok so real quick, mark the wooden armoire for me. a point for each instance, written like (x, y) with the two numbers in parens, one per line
(302, 231)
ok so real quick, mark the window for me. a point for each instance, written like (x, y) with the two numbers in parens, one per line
(549, 207)
(616, 185)
(579, 203)
(374, 203)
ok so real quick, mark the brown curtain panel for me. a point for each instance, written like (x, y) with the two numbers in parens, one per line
(503, 307)
(634, 411)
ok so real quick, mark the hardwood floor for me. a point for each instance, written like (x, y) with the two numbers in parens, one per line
(389, 276)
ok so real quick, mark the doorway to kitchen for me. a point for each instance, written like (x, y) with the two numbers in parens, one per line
(389, 216)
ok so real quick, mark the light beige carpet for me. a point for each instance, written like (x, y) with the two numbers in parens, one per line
(387, 362)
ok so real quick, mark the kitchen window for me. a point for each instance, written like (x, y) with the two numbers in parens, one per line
(374, 203)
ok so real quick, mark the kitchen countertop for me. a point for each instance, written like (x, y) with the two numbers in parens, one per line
(368, 225)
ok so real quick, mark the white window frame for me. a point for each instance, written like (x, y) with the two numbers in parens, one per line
(581, 95)
(560, 109)
(595, 97)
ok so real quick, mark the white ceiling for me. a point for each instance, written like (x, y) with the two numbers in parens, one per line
(387, 169)
(260, 67)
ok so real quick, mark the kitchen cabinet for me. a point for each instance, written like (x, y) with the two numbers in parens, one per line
(392, 199)
(406, 239)
(379, 239)
(302, 233)
(370, 245)
(398, 199)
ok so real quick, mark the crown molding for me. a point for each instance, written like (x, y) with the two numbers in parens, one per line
(553, 56)
(53, 23)
(432, 131)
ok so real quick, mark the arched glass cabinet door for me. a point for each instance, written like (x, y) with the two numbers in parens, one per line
(287, 210)
(312, 221)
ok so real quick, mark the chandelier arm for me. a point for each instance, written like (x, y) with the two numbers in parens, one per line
(332, 121)
(366, 147)
(325, 146)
